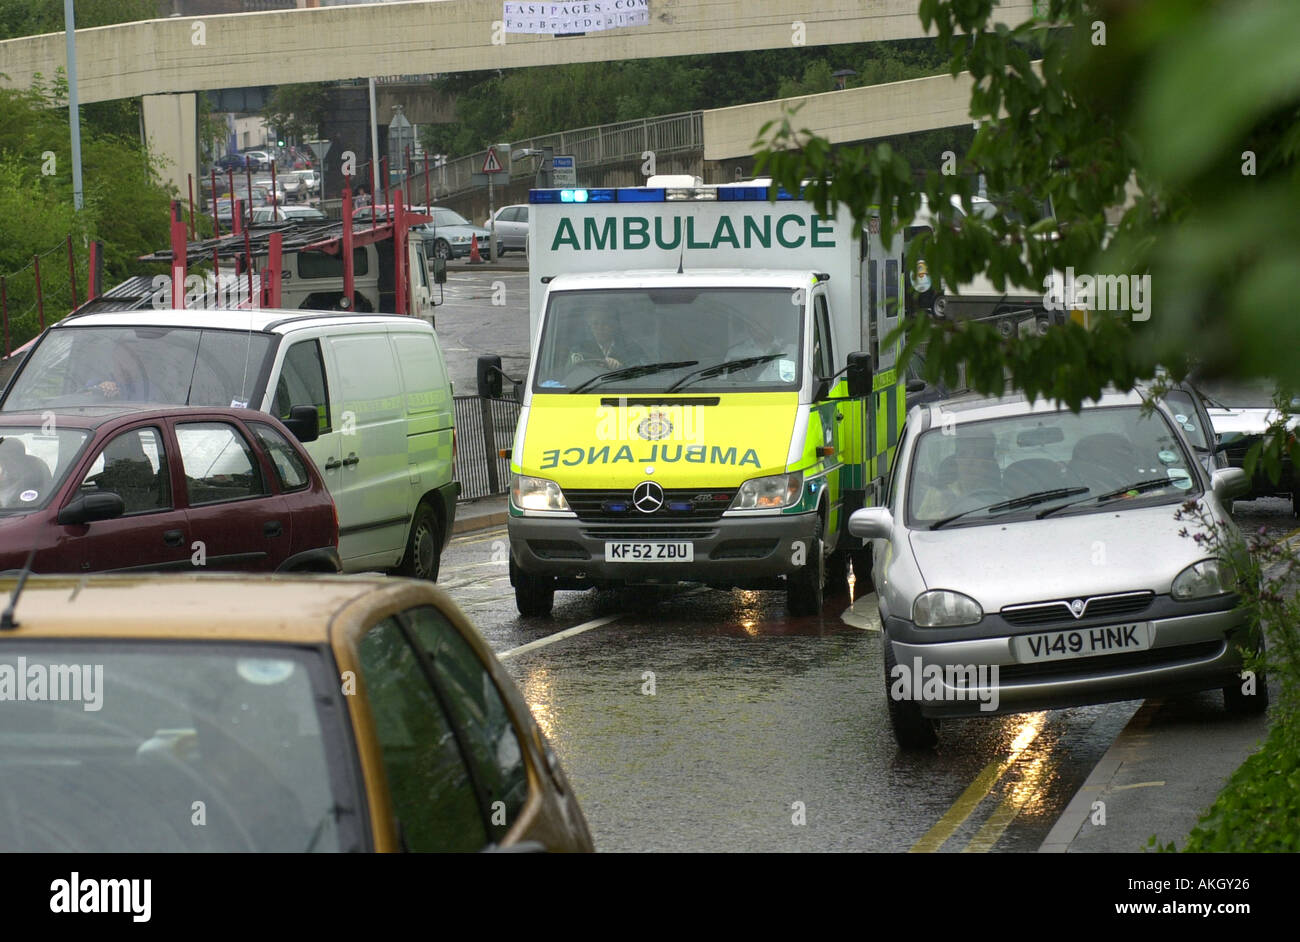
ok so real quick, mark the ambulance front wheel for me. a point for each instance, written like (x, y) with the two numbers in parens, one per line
(806, 589)
(534, 594)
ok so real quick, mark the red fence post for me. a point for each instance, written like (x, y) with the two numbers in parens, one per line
(40, 301)
(95, 276)
(216, 227)
(72, 275)
(399, 253)
(374, 199)
(348, 286)
(383, 173)
(4, 312)
(274, 270)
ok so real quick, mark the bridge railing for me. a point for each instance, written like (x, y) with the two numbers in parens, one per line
(592, 146)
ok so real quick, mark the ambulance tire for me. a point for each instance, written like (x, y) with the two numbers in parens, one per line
(534, 595)
(912, 731)
(806, 589)
(837, 571)
(863, 580)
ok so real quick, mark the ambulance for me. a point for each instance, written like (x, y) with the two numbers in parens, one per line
(710, 393)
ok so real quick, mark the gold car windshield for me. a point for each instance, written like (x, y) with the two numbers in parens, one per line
(163, 747)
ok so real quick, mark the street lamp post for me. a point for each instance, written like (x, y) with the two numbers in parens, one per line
(74, 112)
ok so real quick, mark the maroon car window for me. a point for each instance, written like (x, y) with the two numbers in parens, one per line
(433, 795)
(289, 468)
(34, 460)
(302, 383)
(133, 466)
(218, 462)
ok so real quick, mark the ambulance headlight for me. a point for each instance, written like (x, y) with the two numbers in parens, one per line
(530, 493)
(769, 493)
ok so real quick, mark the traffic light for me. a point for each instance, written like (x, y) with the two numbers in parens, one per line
(279, 143)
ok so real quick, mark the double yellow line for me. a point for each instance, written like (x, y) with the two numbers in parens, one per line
(977, 791)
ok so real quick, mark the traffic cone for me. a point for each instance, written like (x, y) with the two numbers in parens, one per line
(474, 257)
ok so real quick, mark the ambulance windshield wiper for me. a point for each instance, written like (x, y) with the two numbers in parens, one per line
(631, 372)
(1028, 500)
(730, 366)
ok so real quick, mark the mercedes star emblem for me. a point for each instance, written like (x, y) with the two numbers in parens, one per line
(648, 497)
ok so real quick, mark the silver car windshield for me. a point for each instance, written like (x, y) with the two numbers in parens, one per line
(705, 339)
(1029, 465)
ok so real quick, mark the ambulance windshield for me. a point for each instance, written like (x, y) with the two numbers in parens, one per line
(751, 336)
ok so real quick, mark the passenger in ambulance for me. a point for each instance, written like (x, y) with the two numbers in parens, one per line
(753, 339)
(605, 345)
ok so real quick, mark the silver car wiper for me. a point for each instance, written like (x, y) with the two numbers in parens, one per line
(1149, 485)
(1026, 500)
(631, 372)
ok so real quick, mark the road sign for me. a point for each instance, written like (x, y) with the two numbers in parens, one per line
(564, 170)
(480, 179)
(491, 164)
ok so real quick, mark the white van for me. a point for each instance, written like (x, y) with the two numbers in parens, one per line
(376, 386)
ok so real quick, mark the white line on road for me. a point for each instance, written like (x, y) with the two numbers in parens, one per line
(558, 636)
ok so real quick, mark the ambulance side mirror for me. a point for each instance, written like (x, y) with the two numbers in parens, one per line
(489, 377)
(439, 271)
(859, 375)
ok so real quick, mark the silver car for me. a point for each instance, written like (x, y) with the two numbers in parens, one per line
(1026, 557)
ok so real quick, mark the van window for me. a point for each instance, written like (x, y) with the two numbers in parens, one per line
(368, 383)
(95, 366)
(422, 373)
(302, 383)
(320, 265)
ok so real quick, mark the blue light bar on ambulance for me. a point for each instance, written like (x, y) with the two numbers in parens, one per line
(638, 194)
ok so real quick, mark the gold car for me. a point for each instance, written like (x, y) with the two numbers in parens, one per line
(226, 713)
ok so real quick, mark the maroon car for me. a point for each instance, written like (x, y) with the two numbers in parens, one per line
(113, 489)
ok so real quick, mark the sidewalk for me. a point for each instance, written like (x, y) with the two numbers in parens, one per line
(1163, 772)
(480, 514)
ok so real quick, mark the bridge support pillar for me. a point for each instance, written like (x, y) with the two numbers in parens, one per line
(171, 130)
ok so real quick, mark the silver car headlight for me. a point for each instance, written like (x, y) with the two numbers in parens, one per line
(773, 492)
(940, 608)
(460, 239)
(530, 493)
(1202, 580)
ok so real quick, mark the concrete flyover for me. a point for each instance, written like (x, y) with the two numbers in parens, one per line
(855, 114)
(184, 54)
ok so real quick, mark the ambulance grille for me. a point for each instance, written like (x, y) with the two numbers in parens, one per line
(651, 533)
(680, 504)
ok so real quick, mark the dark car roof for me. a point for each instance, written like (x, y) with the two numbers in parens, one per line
(92, 417)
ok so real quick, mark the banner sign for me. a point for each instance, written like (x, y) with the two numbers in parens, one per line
(585, 16)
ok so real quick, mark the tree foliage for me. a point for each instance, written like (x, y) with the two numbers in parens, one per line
(126, 205)
(1096, 99)
(298, 111)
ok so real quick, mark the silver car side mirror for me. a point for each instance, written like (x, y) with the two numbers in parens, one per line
(871, 523)
(1228, 483)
